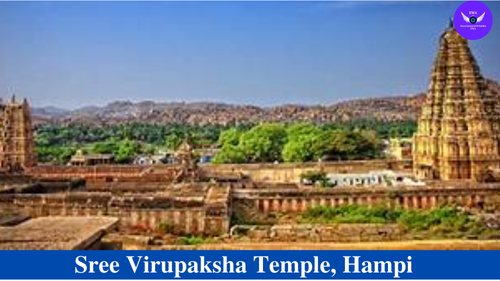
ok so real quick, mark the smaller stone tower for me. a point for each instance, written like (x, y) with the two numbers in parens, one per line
(16, 137)
(184, 157)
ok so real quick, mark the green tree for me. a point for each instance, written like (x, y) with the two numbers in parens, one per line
(172, 141)
(354, 144)
(229, 154)
(305, 142)
(263, 143)
(296, 131)
(55, 154)
(343, 143)
(105, 147)
(230, 137)
(370, 145)
(126, 151)
(66, 154)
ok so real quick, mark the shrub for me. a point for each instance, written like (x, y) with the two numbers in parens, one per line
(316, 178)
(352, 214)
(443, 221)
(165, 227)
(192, 240)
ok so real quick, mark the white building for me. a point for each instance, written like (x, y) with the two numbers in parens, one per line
(381, 178)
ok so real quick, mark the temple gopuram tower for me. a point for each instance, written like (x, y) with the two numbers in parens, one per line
(16, 138)
(458, 136)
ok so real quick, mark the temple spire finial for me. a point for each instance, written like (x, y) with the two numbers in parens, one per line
(450, 23)
(13, 97)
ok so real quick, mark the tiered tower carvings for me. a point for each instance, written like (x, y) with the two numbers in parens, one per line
(458, 134)
(16, 138)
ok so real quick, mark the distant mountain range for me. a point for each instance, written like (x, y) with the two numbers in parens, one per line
(383, 109)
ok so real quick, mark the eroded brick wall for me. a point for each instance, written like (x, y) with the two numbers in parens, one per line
(251, 205)
(188, 215)
(290, 172)
(101, 173)
(319, 233)
(270, 173)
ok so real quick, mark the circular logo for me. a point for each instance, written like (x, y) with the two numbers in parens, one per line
(473, 20)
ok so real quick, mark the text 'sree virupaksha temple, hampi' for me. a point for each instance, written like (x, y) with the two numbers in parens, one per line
(456, 159)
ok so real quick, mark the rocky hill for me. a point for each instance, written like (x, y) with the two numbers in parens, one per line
(382, 109)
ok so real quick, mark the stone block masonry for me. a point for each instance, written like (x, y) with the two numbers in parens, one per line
(209, 208)
(458, 136)
(257, 173)
(16, 137)
(208, 214)
(342, 233)
(57, 233)
(107, 173)
(249, 205)
(286, 173)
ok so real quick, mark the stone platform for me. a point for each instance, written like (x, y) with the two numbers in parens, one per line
(56, 233)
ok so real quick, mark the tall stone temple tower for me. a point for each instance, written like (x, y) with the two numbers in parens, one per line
(458, 134)
(16, 138)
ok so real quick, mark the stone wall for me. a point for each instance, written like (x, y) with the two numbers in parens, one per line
(134, 186)
(157, 173)
(126, 186)
(218, 210)
(250, 205)
(290, 173)
(268, 173)
(30, 186)
(207, 209)
(319, 233)
(6, 178)
(187, 215)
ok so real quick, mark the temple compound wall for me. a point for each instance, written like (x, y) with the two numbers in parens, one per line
(252, 205)
(290, 173)
(268, 173)
(103, 173)
(317, 233)
(208, 209)
(207, 212)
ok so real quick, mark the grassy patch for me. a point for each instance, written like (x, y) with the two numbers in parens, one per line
(351, 214)
(193, 240)
(445, 221)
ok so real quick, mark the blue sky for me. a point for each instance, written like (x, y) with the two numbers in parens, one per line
(71, 54)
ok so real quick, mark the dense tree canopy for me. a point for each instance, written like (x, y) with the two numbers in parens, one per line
(263, 143)
(238, 144)
(305, 142)
(297, 143)
(56, 144)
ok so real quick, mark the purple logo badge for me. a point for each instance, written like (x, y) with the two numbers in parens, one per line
(473, 20)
